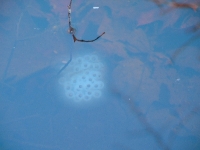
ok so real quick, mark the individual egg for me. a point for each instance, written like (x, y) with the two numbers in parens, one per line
(77, 68)
(73, 80)
(79, 60)
(98, 85)
(98, 66)
(70, 94)
(96, 75)
(93, 58)
(89, 93)
(83, 77)
(79, 96)
(85, 65)
(80, 85)
(88, 85)
(87, 98)
(86, 58)
(96, 93)
(67, 87)
(90, 79)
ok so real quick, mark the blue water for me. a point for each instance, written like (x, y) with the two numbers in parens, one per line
(131, 89)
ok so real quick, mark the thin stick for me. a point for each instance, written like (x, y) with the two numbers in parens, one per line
(72, 30)
(70, 59)
(75, 39)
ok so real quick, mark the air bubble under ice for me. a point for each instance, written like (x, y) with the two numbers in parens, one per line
(82, 80)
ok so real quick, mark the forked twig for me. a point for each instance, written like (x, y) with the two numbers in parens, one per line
(72, 30)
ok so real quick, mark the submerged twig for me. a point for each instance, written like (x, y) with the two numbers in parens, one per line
(182, 48)
(72, 30)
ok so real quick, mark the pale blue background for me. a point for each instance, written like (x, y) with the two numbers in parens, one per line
(148, 102)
